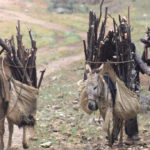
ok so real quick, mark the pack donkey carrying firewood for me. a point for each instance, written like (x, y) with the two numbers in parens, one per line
(103, 91)
(115, 101)
(18, 87)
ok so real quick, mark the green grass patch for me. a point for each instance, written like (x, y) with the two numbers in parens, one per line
(71, 38)
(42, 35)
(54, 55)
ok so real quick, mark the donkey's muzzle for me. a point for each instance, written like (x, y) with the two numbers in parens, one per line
(92, 105)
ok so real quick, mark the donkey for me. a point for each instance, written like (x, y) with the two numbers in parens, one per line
(3, 111)
(100, 97)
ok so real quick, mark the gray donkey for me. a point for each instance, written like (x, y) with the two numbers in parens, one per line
(100, 97)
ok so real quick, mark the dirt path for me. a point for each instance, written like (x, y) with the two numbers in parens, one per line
(7, 15)
(17, 136)
(61, 63)
(47, 50)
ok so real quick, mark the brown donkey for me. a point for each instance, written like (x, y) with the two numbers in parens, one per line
(5, 75)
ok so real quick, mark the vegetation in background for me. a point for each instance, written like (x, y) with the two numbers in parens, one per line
(69, 6)
(42, 35)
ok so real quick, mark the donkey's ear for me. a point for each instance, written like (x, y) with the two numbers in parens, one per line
(88, 68)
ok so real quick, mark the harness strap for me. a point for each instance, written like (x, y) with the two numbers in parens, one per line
(111, 86)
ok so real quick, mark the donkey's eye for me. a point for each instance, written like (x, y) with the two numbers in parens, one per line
(95, 88)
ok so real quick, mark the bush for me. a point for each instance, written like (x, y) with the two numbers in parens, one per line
(73, 6)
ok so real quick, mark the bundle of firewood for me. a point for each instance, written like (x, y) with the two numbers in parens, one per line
(102, 47)
(94, 41)
(115, 47)
(21, 61)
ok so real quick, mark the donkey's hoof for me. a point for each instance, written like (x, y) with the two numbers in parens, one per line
(110, 144)
(35, 138)
(13, 148)
(120, 145)
(25, 146)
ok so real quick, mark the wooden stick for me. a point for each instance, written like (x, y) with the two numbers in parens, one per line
(15, 71)
(119, 19)
(100, 14)
(32, 72)
(143, 67)
(20, 50)
(103, 27)
(41, 77)
(85, 53)
(91, 43)
(129, 23)
(105, 21)
(12, 43)
(115, 34)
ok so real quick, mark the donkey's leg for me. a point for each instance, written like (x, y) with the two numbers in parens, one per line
(2, 130)
(24, 142)
(113, 133)
(121, 135)
(10, 128)
(2, 127)
(33, 133)
(107, 117)
(108, 133)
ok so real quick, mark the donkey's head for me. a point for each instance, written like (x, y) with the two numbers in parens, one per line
(94, 87)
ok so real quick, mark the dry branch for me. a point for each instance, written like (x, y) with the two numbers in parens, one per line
(41, 78)
(100, 15)
(23, 61)
(32, 61)
(142, 65)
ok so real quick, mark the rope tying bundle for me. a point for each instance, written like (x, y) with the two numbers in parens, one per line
(111, 62)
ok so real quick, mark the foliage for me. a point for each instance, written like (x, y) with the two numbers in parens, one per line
(72, 5)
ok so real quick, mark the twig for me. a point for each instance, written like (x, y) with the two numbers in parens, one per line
(103, 27)
(112, 19)
(129, 16)
(41, 77)
(100, 15)
(32, 62)
(84, 44)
